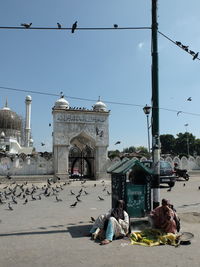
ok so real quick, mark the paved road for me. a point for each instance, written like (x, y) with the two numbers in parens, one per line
(50, 233)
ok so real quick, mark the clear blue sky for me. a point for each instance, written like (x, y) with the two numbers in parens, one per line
(115, 65)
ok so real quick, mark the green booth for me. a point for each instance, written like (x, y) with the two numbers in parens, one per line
(131, 181)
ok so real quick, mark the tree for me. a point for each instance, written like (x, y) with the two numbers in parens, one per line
(130, 149)
(185, 141)
(167, 143)
(143, 151)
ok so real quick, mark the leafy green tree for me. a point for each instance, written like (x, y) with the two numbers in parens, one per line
(113, 153)
(183, 142)
(130, 149)
(167, 143)
(143, 151)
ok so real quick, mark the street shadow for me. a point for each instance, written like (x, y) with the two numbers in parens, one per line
(79, 230)
(35, 233)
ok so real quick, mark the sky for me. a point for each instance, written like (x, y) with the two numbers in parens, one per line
(113, 64)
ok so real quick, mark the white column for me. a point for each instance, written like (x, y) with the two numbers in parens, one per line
(28, 101)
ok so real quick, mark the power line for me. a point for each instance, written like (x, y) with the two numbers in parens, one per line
(77, 29)
(180, 45)
(93, 100)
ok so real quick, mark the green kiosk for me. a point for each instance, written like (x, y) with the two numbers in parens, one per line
(131, 181)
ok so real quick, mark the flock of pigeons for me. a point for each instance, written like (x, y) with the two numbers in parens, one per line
(73, 28)
(21, 193)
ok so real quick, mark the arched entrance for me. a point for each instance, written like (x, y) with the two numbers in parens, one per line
(81, 162)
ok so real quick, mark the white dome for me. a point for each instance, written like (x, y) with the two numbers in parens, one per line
(62, 103)
(100, 106)
(28, 98)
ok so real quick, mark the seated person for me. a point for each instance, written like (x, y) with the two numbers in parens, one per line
(165, 218)
(115, 223)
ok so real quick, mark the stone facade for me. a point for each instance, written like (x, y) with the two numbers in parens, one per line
(80, 141)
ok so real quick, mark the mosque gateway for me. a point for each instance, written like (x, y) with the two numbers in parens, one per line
(80, 140)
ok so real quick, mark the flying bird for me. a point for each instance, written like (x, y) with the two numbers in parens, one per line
(26, 25)
(74, 26)
(49, 124)
(108, 193)
(59, 25)
(115, 26)
(118, 142)
(26, 201)
(42, 144)
(195, 56)
(72, 193)
(100, 198)
(9, 206)
(178, 112)
(189, 99)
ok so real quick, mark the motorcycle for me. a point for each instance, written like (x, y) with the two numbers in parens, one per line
(182, 173)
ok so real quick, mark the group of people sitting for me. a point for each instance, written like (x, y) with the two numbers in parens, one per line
(115, 223)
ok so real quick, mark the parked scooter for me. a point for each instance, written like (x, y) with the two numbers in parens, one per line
(182, 173)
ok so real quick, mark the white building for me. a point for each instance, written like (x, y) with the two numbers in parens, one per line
(12, 132)
(80, 140)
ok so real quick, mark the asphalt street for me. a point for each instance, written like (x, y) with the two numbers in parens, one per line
(49, 232)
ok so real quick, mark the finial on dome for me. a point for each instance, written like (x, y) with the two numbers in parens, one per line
(99, 99)
(6, 105)
(61, 95)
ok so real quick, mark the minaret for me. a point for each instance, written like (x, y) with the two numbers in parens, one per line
(28, 101)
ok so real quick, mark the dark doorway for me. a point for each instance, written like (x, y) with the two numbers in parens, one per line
(81, 162)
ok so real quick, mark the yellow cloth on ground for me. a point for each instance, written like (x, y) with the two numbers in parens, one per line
(153, 237)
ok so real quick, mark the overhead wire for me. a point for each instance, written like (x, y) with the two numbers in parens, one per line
(93, 100)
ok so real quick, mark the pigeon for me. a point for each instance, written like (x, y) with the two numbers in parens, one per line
(184, 184)
(118, 142)
(59, 25)
(77, 198)
(26, 201)
(192, 52)
(108, 193)
(100, 198)
(86, 193)
(72, 193)
(26, 25)
(195, 56)
(92, 219)
(9, 206)
(42, 144)
(189, 99)
(185, 47)
(115, 26)
(74, 26)
(178, 112)
(33, 198)
(178, 43)
(74, 205)
(58, 199)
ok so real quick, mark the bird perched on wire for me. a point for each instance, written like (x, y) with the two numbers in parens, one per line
(59, 25)
(74, 26)
(195, 56)
(26, 25)
(178, 43)
(115, 26)
(189, 99)
(118, 142)
(192, 52)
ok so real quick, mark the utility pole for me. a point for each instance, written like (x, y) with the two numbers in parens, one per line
(155, 109)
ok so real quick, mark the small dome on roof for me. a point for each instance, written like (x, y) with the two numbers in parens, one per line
(99, 106)
(62, 103)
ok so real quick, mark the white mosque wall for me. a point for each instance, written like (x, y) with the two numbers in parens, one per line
(28, 166)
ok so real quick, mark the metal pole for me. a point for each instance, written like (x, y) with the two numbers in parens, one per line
(148, 132)
(155, 109)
